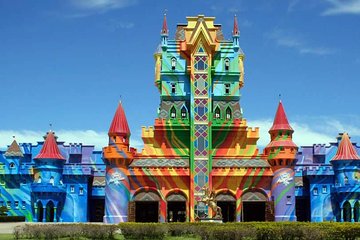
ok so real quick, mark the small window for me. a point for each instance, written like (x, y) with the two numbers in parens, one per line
(346, 180)
(228, 113)
(288, 200)
(173, 88)
(52, 181)
(227, 88)
(72, 189)
(173, 113)
(324, 189)
(81, 191)
(12, 165)
(39, 180)
(173, 63)
(183, 112)
(227, 64)
(23, 205)
(16, 204)
(280, 162)
(315, 191)
(217, 113)
(8, 204)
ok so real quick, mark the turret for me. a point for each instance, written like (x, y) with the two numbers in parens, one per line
(236, 35)
(164, 34)
(281, 153)
(119, 131)
(13, 155)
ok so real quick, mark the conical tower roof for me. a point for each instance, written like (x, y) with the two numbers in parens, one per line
(50, 149)
(14, 150)
(346, 150)
(280, 121)
(164, 29)
(236, 27)
(119, 124)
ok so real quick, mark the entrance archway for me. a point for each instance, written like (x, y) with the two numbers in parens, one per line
(227, 203)
(356, 211)
(147, 207)
(347, 212)
(40, 211)
(50, 212)
(253, 206)
(176, 208)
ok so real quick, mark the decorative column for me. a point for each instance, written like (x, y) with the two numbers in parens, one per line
(44, 214)
(341, 215)
(36, 213)
(55, 220)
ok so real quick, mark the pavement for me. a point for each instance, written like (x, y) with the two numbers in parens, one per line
(9, 227)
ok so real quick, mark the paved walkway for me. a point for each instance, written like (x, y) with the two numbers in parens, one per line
(9, 227)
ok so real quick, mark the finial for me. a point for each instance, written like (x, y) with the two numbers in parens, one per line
(13, 137)
(279, 97)
(164, 29)
(236, 27)
(50, 125)
(120, 99)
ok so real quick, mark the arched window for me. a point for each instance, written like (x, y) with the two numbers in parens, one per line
(217, 113)
(183, 112)
(227, 88)
(173, 88)
(51, 180)
(39, 179)
(12, 165)
(346, 180)
(173, 112)
(228, 113)
(173, 63)
(227, 64)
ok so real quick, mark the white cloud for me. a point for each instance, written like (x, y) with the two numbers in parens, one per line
(291, 40)
(342, 7)
(87, 137)
(102, 5)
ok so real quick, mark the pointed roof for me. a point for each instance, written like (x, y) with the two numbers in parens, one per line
(119, 124)
(236, 27)
(280, 121)
(50, 149)
(346, 150)
(164, 29)
(14, 150)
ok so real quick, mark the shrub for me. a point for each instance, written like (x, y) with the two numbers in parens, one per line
(12, 218)
(143, 230)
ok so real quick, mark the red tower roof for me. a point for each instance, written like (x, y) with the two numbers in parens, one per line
(119, 124)
(280, 121)
(50, 149)
(236, 28)
(346, 150)
(164, 29)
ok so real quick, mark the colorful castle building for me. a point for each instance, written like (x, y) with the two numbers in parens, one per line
(199, 140)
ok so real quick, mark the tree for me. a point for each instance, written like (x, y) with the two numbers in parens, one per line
(3, 211)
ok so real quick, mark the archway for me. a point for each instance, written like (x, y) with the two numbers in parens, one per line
(347, 212)
(50, 212)
(40, 211)
(176, 207)
(147, 207)
(253, 206)
(356, 211)
(227, 203)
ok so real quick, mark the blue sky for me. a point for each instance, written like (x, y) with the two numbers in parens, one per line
(67, 62)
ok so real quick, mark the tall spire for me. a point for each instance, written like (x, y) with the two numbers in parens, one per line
(50, 149)
(346, 150)
(164, 30)
(236, 27)
(119, 124)
(280, 121)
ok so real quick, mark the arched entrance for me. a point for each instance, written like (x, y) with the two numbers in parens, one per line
(40, 211)
(347, 212)
(176, 208)
(50, 212)
(253, 206)
(227, 203)
(356, 211)
(147, 207)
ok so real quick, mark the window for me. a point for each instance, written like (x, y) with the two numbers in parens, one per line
(227, 88)
(72, 189)
(12, 165)
(217, 113)
(280, 162)
(81, 191)
(39, 179)
(173, 112)
(183, 112)
(228, 113)
(16, 204)
(346, 180)
(315, 191)
(8, 204)
(288, 200)
(52, 180)
(173, 88)
(227, 64)
(173, 63)
(324, 189)
(23, 205)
